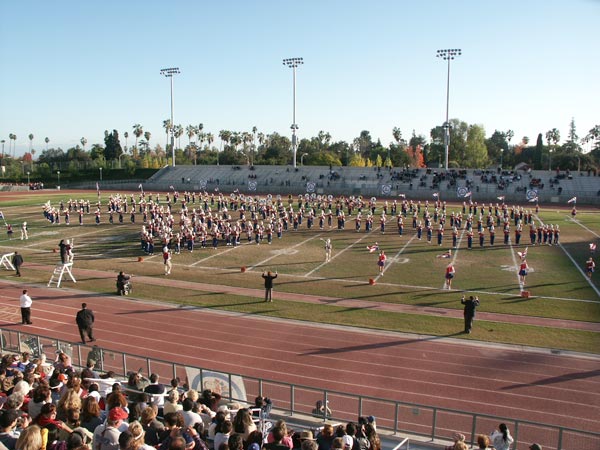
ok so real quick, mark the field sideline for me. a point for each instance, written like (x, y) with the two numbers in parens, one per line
(413, 276)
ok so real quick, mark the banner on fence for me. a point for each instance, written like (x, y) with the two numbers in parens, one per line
(217, 382)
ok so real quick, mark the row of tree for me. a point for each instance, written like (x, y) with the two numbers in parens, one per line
(469, 148)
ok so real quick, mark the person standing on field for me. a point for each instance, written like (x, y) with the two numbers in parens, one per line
(17, 261)
(269, 277)
(469, 311)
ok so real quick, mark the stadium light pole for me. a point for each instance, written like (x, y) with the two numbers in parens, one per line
(448, 55)
(293, 63)
(169, 73)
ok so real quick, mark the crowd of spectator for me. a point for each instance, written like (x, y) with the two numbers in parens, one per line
(55, 406)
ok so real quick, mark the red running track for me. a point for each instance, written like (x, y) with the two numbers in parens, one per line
(558, 389)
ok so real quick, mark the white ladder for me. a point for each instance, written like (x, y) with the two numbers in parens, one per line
(58, 273)
(6, 261)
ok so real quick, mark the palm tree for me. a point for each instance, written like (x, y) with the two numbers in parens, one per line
(178, 132)
(209, 138)
(30, 141)
(46, 140)
(246, 139)
(167, 126)
(190, 130)
(147, 136)
(83, 142)
(126, 135)
(225, 136)
(2, 142)
(138, 131)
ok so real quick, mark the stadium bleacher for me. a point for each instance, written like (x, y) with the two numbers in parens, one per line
(418, 184)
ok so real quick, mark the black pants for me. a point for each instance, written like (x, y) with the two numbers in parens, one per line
(26, 315)
(18, 269)
(468, 322)
(268, 294)
(86, 330)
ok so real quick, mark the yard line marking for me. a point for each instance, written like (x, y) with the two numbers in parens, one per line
(585, 277)
(583, 226)
(395, 258)
(336, 255)
(227, 250)
(264, 261)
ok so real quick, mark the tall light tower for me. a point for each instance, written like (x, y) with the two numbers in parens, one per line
(448, 54)
(294, 63)
(169, 73)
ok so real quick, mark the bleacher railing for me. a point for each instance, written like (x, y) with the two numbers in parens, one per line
(398, 417)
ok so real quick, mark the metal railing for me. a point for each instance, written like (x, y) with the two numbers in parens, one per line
(394, 416)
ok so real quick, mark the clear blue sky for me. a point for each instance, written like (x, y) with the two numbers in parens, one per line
(73, 69)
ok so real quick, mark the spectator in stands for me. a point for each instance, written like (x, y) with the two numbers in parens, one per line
(287, 439)
(8, 425)
(255, 440)
(40, 396)
(483, 442)
(325, 437)
(70, 401)
(372, 436)
(116, 399)
(135, 386)
(88, 371)
(48, 416)
(156, 390)
(210, 399)
(243, 424)
(501, 438)
(190, 418)
(138, 434)
(172, 402)
(90, 413)
(338, 443)
(219, 418)
(235, 442)
(307, 442)
(106, 436)
(222, 434)
(456, 437)
(152, 427)
(279, 433)
(30, 439)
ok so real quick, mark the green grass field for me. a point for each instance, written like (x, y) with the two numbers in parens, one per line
(413, 276)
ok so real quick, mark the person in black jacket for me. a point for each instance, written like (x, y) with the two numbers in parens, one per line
(469, 311)
(17, 261)
(269, 277)
(85, 322)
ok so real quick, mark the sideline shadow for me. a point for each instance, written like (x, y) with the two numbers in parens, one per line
(331, 351)
(553, 380)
